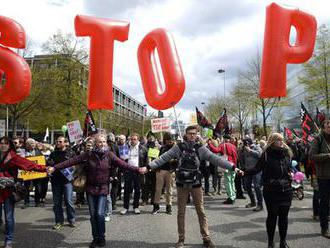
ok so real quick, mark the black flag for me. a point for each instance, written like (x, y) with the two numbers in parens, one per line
(201, 120)
(89, 124)
(308, 126)
(222, 126)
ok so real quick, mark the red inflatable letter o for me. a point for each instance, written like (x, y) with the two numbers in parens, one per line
(170, 65)
(277, 50)
(17, 71)
(103, 32)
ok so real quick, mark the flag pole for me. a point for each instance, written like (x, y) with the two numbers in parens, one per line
(176, 119)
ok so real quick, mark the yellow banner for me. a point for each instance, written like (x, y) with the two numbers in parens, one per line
(31, 175)
(153, 153)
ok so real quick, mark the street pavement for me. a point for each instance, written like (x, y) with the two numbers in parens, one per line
(231, 226)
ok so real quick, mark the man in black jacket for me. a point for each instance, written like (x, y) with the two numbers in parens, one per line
(61, 185)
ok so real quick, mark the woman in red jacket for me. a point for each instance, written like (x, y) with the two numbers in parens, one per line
(10, 162)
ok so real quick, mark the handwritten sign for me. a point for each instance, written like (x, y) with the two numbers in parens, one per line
(31, 175)
(75, 131)
(160, 125)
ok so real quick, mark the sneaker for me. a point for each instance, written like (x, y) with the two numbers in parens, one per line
(124, 211)
(101, 243)
(326, 234)
(229, 201)
(250, 205)
(179, 244)
(137, 211)
(169, 209)
(283, 244)
(94, 243)
(72, 224)
(156, 209)
(107, 218)
(208, 243)
(208, 194)
(25, 206)
(57, 226)
(258, 208)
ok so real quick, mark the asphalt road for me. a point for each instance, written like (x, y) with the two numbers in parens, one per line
(230, 226)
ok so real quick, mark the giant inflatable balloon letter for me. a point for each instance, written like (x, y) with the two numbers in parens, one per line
(103, 32)
(17, 72)
(170, 65)
(277, 51)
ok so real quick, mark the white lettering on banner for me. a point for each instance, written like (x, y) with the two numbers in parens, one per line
(160, 125)
(74, 130)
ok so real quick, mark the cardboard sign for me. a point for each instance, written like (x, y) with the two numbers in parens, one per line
(153, 153)
(160, 125)
(75, 131)
(31, 175)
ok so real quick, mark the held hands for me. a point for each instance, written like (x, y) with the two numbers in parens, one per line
(50, 170)
(143, 170)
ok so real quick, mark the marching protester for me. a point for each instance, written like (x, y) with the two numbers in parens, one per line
(164, 176)
(320, 154)
(123, 154)
(228, 151)
(137, 158)
(10, 162)
(61, 185)
(98, 164)
(188, 180)
(250, 155)
(275, 165)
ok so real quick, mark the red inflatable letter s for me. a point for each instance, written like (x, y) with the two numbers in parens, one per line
(170, 65)
(277, 50)
(14, 67)
(103, 32)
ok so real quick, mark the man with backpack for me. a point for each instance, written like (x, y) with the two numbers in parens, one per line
(189, 153)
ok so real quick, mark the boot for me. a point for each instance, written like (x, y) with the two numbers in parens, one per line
(156, 209)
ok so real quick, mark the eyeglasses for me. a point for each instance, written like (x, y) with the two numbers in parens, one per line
(191, 133)
(59, 141)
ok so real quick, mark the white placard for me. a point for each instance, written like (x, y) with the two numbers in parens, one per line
(75, 131)
(160, 125)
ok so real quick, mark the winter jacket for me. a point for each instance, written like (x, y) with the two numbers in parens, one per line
(250, 158)
(56, 157)
(97, 167)
(9, 167)
(275, 164)
(143, 156)
(320, 154)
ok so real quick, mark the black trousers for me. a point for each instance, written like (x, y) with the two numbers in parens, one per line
(238, 186)
(149, 187)
(132, 181)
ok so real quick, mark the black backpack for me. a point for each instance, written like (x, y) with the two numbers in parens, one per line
(188, 172)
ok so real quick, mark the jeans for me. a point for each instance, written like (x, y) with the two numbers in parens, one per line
(9, 207)
(324, 189)
(97, 205)
(60, 189)
(256, 180)
(132, 180)
(108, 207)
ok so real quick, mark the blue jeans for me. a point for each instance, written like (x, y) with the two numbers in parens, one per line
(60, 190)
(256, 180)
(97, 204)
(108, 208)
(324, 189)
(9, 207)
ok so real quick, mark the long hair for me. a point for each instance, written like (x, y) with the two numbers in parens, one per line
(274, 137)
(9, 142)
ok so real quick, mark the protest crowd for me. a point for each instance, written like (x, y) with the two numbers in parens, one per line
(104, 169)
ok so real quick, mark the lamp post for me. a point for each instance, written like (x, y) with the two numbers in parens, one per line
(143, 113)
(224, 81)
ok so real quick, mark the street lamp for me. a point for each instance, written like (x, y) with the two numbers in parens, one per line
(224, 81)
(143, 113)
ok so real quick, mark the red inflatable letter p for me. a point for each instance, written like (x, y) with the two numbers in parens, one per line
(277, 51)
(16, 70)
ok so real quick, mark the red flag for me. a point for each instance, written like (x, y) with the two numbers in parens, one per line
(202, 120)
(288, 134)
(308, 126)
(222, 126)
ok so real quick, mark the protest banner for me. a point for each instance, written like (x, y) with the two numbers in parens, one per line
(31, 175)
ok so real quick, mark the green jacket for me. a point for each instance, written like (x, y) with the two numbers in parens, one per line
(320, 154)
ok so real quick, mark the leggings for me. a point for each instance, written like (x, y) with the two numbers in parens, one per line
(274, 211)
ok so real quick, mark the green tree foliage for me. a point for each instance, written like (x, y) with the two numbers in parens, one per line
(316, 73)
